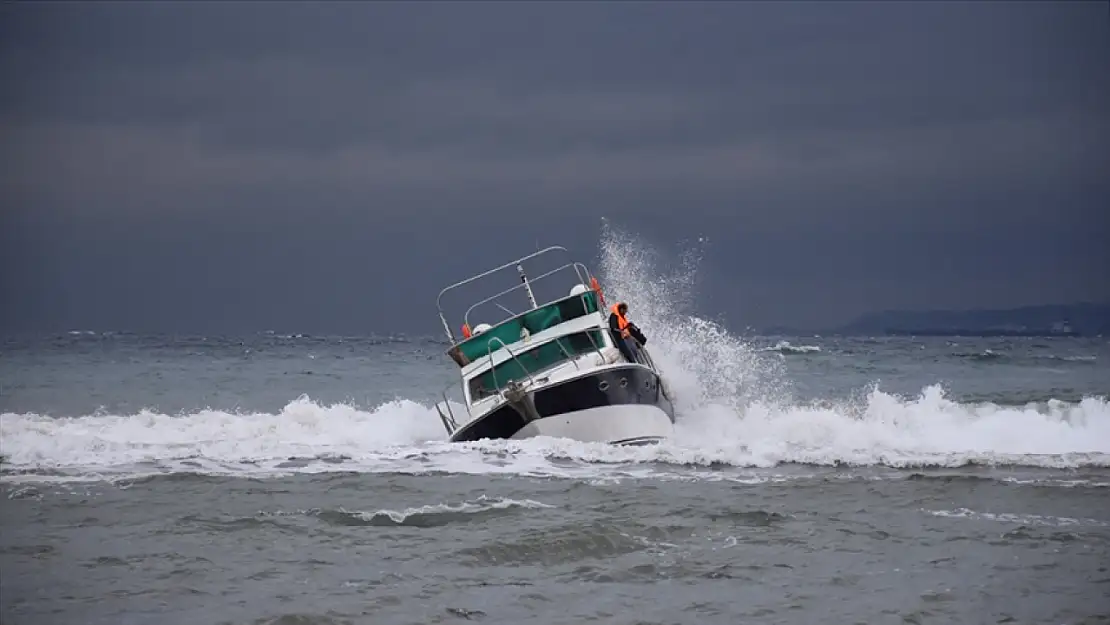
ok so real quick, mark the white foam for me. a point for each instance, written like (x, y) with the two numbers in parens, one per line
(406, 437)
(1030, 520)
(734, 409)
(481, 504)
(302, 428)
(785, 347)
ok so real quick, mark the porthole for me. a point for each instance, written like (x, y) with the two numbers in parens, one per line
(624, 382)
(603, 386)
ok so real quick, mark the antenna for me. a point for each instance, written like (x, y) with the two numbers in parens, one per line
(527, 287)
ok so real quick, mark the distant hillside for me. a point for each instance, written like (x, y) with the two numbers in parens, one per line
(1051, 320)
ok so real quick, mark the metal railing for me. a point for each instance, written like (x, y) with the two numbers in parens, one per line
(644, 358)
(573, 358)
(493, 370)
(580, 269)
(596, 348)
(450, 423)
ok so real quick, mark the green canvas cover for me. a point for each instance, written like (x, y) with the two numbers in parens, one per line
(535, 321)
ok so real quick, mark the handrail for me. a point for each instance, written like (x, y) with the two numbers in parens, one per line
(450, 423)
(585, 269)
(643, 354)
(596, 348)
(574, 265)
(583, 273)
(493, 370)
(495, 270)
(558, 341)
(448, 420)
(573, 359)
(462, 391)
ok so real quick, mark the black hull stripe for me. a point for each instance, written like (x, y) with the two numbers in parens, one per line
(631, 385)
(639, 440)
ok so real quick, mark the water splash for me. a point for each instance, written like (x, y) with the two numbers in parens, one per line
(705, 365)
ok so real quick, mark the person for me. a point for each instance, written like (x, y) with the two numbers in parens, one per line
(626, 335)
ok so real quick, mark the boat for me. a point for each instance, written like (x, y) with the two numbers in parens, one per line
(553, 369)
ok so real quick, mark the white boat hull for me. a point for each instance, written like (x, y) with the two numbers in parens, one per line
(619, 424)
(620, 404)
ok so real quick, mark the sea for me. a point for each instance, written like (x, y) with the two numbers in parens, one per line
(294, 479)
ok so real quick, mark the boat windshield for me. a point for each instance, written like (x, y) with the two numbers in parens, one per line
(533, 361)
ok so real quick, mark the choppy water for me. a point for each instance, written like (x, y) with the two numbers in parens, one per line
(294, 479)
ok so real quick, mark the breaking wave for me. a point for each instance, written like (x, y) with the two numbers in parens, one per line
(405, 437)
(733, 402)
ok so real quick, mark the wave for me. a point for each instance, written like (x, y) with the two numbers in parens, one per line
(405, 437)
(1031, 520)
(786, 348)
(733, 402)
(990, 355)
(435, 515)
(432, 515)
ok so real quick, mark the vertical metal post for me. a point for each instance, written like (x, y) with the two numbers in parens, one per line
(447, 329)
(527, 287)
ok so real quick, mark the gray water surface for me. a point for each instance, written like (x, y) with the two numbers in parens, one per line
(169, 480)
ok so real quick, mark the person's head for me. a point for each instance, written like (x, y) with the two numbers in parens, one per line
(622, 308)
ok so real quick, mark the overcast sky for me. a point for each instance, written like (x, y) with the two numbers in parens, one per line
(217, 166)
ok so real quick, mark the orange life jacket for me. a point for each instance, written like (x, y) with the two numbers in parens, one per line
(622, 323)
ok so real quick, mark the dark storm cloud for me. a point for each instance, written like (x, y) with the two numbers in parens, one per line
(838, 128)
(587, 96)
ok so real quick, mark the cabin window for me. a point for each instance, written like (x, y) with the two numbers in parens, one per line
(534, 361)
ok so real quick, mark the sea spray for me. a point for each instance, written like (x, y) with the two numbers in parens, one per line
(703, 363)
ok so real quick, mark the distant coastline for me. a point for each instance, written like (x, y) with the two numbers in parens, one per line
(971, 332)
(1067, 320)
